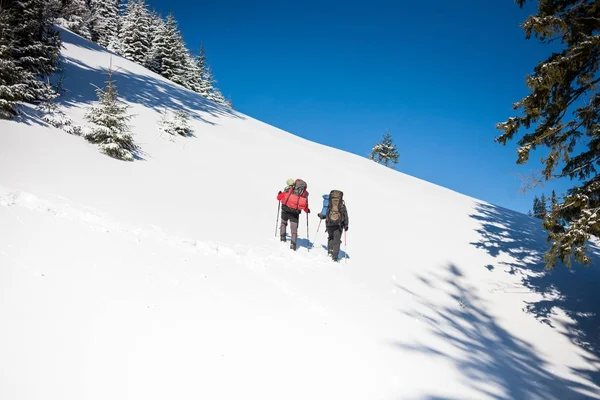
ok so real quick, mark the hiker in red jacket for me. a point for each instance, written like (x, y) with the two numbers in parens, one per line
(294, 199)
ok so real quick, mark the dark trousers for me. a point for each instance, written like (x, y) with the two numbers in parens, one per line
(293, 218)
(334, 240)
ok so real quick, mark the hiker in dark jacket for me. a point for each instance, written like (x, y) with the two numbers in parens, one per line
(291, 208)
(336, 219)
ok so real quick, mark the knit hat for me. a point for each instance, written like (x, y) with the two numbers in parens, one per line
(289, 182)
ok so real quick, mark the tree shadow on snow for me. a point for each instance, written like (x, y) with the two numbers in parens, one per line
(492, 361)
(575, 291)
(148, 90)
(28, 114)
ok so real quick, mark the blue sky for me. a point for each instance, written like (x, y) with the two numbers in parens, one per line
(437, 74)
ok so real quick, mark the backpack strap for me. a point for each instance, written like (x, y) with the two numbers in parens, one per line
(290, 190)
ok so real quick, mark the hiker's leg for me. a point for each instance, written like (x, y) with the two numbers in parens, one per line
(335, 251)
(329, 239)
(283, 226)
(294, 229)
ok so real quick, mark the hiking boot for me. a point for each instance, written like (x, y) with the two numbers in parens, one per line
(293, 246)
(283, 238)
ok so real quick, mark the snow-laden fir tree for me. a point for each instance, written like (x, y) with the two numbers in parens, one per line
(175, 123)
(385, 152)
(109, 119)
(53, 115)
(12, 82)
(217, 96)
(104, 21)
(157, 25)
(192, 74)
(29, 50)
(75, 15)
(206, 79)
(561, 115)
(168, 54)
(540, 209)
(157, 45)
(134, 32)
(208, 84)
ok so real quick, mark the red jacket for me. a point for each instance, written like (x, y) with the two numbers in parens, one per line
(293, 202)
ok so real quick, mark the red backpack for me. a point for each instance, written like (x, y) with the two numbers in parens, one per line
(296, 197)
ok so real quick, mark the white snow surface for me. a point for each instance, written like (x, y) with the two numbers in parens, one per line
(162, 278)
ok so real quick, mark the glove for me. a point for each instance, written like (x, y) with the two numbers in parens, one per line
(320, 216)
(279, 192)
(308, 210)
(346, 228)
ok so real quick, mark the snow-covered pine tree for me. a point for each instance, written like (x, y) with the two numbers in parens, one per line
(385, 151)
(181, 124)
(560, 118)
(192, 74)
(110, 127)
(75, 15)
(168, 52)
(12, 86)
(157, 48)
(134, 32)
(554, 222)
(175, 123)
(157, 26)
(29, 49)
(217, 96)
(206, 79)
(53, 115)
(208, 84)
(539, 207)
(104, 21)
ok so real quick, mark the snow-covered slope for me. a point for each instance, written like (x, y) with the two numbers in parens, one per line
(162, 278)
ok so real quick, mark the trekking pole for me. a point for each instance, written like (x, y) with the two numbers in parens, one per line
(277, 222)
(317, 233)
(307, 238)
(345, 247)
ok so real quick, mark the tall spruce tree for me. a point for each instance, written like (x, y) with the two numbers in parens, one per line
(208, 84)
(104, 21)
(536, 206)
(385, 152)
(168, 57)
(75, 15)
(562, 116)
(192, 74)
(134, 33)
(110, 127)
(539, 207)
(217, 96)
(206, 80)
(12, 81)
(29, 52)
(157, 24)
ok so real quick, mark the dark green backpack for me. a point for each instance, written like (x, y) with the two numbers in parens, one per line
(335, 209)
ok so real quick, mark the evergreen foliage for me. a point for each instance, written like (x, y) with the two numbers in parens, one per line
(104, 21)
(29, 51)
(110, 127)
(385, 152)
(561, 115)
